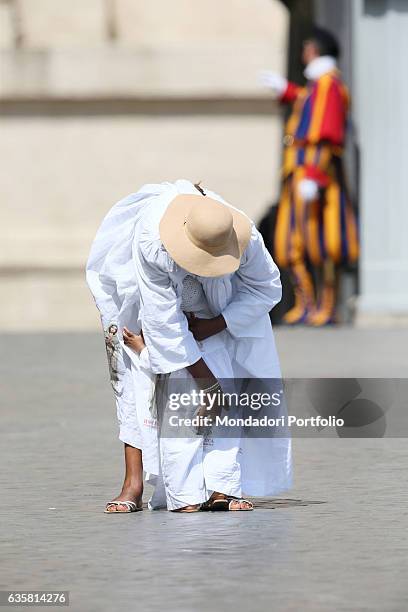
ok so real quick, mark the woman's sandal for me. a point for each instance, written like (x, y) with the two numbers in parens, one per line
(130, 505)
(225, 504)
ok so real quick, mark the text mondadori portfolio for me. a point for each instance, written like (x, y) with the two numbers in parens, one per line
(283, 421)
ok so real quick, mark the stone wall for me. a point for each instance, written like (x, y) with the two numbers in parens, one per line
(99, 97)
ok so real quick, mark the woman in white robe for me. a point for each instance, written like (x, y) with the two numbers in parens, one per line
(242, 300)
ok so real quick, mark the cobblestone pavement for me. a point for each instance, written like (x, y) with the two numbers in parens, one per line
(61, 462)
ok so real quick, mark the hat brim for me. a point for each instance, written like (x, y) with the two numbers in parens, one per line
(189, 256)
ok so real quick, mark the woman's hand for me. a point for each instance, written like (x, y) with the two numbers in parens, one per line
(134, 341)
(204, 328)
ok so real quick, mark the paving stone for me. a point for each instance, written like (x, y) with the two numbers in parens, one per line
(335, 543)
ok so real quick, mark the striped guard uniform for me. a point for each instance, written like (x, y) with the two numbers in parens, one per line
(326, 228)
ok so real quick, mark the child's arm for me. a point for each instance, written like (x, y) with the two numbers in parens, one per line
(136, 343)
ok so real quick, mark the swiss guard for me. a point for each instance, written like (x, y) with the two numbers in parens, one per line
(316, 227)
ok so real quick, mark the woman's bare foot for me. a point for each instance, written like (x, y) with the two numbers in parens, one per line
(193, 508)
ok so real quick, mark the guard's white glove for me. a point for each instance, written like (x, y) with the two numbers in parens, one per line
(274, 81)
(308, 189)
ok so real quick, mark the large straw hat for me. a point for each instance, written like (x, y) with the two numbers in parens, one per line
(204, 236)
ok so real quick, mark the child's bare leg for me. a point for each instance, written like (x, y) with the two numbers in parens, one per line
(132, 488)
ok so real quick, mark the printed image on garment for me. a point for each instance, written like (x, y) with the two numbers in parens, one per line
(115, 359)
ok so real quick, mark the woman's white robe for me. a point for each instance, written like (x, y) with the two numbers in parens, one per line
(136, 284)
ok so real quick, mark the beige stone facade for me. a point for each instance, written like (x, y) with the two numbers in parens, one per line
(99, 97)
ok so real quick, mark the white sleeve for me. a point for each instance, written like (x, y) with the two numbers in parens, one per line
(170, 343)
(258, 287)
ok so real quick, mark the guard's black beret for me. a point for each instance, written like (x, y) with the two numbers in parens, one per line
(325, 41)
